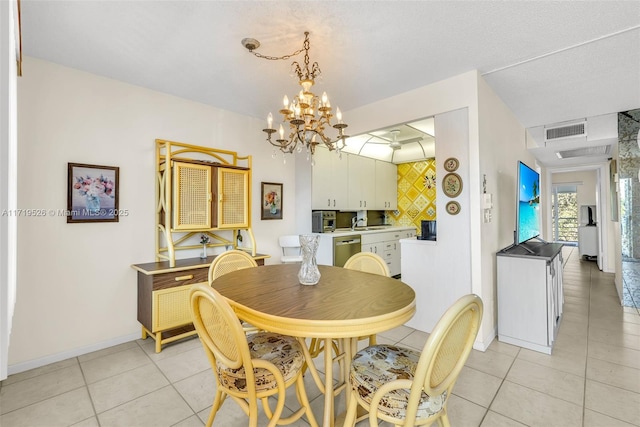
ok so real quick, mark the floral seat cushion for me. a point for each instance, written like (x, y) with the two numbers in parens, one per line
(283, 351)
(377, 365)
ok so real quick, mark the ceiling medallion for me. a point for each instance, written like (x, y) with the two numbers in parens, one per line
(306, 118)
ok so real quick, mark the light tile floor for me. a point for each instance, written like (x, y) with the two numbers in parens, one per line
(591, 379)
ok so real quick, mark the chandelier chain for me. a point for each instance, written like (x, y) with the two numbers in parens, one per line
(307, 116)
(276, 58)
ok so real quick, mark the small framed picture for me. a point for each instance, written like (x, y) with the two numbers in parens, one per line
(452, 184)
(271, 200)
(92, 193)
(451, 164)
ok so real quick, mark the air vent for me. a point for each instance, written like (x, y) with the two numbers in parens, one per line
(600, 150)
(569, 131)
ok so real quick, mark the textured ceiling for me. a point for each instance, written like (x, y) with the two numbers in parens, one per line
(548, 61)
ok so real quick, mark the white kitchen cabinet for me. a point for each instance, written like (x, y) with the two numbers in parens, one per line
(361, 183)
(373, 247)
(382, 242)
(386, 182)
(409, 234)
(530, 295)
(385, 244)
(329, 181)
(392, 254)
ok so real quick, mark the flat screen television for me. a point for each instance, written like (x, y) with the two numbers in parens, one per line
(528, 205)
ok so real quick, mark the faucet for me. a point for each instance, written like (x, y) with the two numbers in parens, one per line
(354, 222)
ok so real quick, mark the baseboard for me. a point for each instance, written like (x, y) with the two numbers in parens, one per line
(36, 363)
(483, 345)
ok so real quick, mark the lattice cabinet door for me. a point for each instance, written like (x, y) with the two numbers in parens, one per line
(233, 198)
(192, 196)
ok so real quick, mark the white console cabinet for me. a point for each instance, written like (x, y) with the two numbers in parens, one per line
(588, 240)
(530, 295)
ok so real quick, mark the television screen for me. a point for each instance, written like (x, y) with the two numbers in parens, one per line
(528, 207)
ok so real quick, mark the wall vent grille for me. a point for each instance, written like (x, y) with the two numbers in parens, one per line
(570, 131)
(600, 150)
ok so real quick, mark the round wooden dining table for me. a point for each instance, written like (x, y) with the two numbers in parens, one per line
(344, 305)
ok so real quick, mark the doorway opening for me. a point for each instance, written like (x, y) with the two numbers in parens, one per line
(564, 214)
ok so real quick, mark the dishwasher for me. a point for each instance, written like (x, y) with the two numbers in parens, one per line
(344, 247)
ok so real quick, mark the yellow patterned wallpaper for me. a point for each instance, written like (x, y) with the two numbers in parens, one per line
(416, 194)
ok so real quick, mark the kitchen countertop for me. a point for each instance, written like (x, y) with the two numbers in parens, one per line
(368, 230)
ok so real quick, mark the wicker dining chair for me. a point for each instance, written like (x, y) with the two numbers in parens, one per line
(230, 261)
(406, 387)
(227, 262)
(248, 368)
(369, 263)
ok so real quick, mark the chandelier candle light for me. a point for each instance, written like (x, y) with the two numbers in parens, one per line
(307, 116)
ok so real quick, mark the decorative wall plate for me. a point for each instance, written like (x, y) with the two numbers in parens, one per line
(452, 184)
(453, 208)
(451, 164)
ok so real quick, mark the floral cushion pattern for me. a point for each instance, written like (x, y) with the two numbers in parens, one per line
(281, 350)
(374, 366)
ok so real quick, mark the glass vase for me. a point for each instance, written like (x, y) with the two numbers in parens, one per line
(93, 204)
(203, 255)
(309, 273)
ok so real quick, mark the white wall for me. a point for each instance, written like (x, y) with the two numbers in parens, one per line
(502, 144)
(495, 142)
(76, 289)
(440, 271)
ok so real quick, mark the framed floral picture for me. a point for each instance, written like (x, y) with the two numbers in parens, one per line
(92, 193)
(271, 201)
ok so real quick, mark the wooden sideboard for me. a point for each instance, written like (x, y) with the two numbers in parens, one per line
(163, 296)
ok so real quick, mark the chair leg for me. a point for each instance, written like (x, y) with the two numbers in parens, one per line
(352, 409)
(217, 402)
(444, 420)
(253, 412)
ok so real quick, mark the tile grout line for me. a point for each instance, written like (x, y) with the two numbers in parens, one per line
(586, 362)
(171, 384)
(500, 387)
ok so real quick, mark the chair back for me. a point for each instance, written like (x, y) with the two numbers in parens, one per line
(291, 248)
(230, 261)
(369, 263)
(219, 328)
(449, 346)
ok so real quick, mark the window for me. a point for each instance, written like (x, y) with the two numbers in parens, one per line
(564, 213)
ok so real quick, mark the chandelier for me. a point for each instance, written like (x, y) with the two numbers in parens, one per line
(307, 117)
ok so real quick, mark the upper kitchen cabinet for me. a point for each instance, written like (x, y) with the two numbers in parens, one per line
(329, 181)
(386, 183)
(361, 183)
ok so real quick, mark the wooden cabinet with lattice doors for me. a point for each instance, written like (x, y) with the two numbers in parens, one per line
(192, 208)
(201, 192)
(233, 198)
(210, 196)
